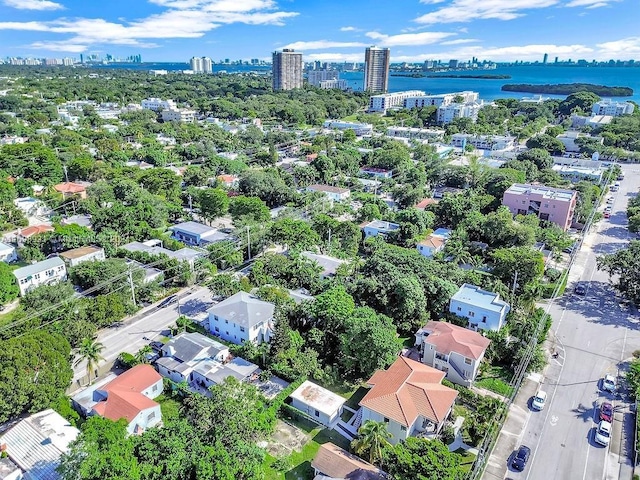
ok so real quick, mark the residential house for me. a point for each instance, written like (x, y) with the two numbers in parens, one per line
(612, 108)
(334, 463)
(484, 142)
(34, 445)
(434, 243)
(555, 205)
(154, 247)
(71, 189)
(410, 398)
(201, 362)
(76, 256)
(319, 404)
(46, 272)
(31, 207)
(80, 220)
(151, 274)
(379, 227)
(424, 203)
(455, 350)
(26, 233)
(360, 129)
(440, 192)
(229, 181)
(242, 318)
(7, 253)
(329, 264)
(483, 309)
(129, 395)
(376, 172)
(195, 233)
(335, 194)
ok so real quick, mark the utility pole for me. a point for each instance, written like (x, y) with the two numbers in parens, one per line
(133, 293)
(515, 283)
(190, 204)
(248, 244)
(329, 237)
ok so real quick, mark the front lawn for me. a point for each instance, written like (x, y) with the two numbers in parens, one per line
(354, 398)
(467, 459)
(496, 379)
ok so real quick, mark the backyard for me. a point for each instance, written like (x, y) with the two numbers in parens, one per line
(495, 379)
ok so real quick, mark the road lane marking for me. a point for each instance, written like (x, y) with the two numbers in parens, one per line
(554, 420)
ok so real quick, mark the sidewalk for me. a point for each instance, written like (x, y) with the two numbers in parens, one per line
(510, 433)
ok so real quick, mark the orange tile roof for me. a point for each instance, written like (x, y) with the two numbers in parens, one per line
(408, 389)
(337, 463)
(433, 242)
(425, 203)
(448, 338)
(69, 187)
(227, 178)
(124, 397)
(35, 230)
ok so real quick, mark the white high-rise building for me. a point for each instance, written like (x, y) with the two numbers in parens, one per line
(441, 100)
(314, 77)
(196, 64)
(207, 65)
(287, 70)
(384, 101)
(448, 113)
(376, 69)
(615, 109)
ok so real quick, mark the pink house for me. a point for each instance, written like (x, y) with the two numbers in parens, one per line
(555, 205)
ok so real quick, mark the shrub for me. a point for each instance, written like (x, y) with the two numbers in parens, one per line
(448, 435)
(126, 360)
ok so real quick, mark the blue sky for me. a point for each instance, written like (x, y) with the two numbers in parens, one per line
(331, 30)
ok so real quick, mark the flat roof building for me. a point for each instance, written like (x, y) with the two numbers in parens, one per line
(376, 69)
(286, 70)
(555, 205)
(319, 404)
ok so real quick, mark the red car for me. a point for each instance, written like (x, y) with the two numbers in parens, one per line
(606, 412)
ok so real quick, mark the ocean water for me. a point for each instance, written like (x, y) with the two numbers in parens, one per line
(489, 89)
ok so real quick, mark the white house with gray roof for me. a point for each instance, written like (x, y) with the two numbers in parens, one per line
(34, 446)
(242, 318)
(7, 253)
(329, 264)
(46, 272)
(483, 309)
(154, 247)
(200, 361)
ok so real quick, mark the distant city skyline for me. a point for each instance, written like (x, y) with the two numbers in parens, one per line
(332, 30)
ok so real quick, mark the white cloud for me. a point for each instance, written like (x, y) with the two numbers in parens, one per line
(408, 39)
(623, 48)
(349, 29)
(429, 2)
(468, 10)
(323, 44)
(59, 47)
(460, 41)
(590, 3)
(182, 19)
(33, 4)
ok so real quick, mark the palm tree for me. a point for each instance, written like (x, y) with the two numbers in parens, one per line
(89, 350)
(531, 294)
(143, 353)
(457, 250)
(372, 437)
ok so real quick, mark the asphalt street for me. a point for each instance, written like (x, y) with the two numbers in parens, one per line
(594, 334)
(150, 323)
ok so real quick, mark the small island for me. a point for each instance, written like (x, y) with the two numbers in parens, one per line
(569, 88)
(479, 76)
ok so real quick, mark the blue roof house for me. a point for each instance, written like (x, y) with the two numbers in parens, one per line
(483, 309)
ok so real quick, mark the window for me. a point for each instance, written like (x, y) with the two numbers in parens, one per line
(546, 205)
(217, 329)
(484, 319)
(215, 317)
(37, 276)
(317, 413)
(467, 361)
(403, 428)
(226, 321)
(227, 333)
(242, 329)
(472, 314)
(554, 206)
(386, 420)
(459, 309)
(151, 416)
(155, 388)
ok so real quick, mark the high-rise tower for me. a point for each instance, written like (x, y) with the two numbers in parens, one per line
(287, 70)
(376, 69)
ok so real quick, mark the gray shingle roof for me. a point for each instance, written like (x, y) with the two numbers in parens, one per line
(39, 267)
(193, 346)
(193, 227)
(244, 310)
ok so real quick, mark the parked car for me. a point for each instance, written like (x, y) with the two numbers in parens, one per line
(168, 301)
(606, 412)
(613, 188)
(609, 383)
(603, 433)
(521, 457)
(610, 200)
(607, 208)
(571, 248)
(606, 214)
(156, 346)
(539, 400)
(581, 289)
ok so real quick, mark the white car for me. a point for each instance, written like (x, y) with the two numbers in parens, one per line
(610, 200)
(609, 383)
(603, 433)
(539, 400)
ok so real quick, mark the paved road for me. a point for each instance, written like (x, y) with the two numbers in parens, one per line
(593, 335)
(149, 324)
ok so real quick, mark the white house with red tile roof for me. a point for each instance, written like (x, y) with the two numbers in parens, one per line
(409, 397)
(129, 395)
(455, 350)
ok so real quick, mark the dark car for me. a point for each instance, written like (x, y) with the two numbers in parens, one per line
(581, 289)
(168, 301)
(606, 412)
(521, 457)
(156, 346)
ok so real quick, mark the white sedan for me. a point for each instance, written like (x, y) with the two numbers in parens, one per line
(609, 383)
